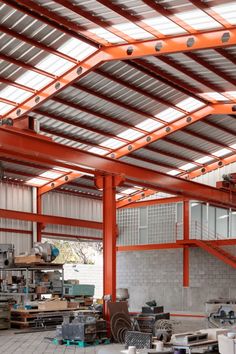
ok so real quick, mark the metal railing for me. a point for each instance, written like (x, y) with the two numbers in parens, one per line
(198, 232)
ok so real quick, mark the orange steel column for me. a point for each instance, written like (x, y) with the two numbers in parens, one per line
(39, 211)
(186, 248)
(109, 183)
(109, 239)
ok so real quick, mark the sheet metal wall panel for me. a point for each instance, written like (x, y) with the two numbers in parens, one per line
(16, 197)
(62, 204)
(212, 177)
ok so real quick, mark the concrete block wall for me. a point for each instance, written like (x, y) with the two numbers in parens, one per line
(158, 275)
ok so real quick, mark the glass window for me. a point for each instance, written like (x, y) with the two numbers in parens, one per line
(222, 222)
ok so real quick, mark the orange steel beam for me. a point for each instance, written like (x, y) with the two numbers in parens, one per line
(59, 83)
(186, 235)
(127, 202)
(58, 182)
(147, 203)
(49, 219)
(39, 148)
(163, 246)
(172, 127)
(197, 41)
(133, 198)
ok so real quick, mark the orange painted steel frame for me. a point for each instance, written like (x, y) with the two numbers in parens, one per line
(49, 219)
(37, 150)
(186, 248)
(108, 183)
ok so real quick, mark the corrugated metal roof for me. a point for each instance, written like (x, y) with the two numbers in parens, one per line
(99, 110)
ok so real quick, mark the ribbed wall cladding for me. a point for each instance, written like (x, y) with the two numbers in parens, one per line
(212, 177)
(62, 204)
(16, 197)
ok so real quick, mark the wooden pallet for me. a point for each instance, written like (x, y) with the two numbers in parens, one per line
(32, 318)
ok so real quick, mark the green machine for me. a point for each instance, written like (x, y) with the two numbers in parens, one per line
(79, 289)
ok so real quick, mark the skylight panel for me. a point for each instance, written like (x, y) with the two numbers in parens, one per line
(108, 36)
(227, 11)
(221, 152)
(130, 134)
(231, 93)
(4, 107)
(119, 196)
(149, 125)
(133, 31)
(112, 143)
(164, 25)
(233, 146)
(215, 96)
(190, 104)
(77, 49)
(198, 20)
(33, 80)
(169, 114)
(36, 181)
(188, 166)
(97, 151)
(129, 191)
(204, 159)
(15, 94)
(51, 174)
(173, 172)
(54, 65)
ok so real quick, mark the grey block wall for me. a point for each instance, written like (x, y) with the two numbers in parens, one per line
(158, 275)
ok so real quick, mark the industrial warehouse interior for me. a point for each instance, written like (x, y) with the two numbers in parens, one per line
(118, 176)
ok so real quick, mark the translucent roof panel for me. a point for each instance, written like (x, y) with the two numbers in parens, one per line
(130, 134)
(214, 95)
(133, 30)
(173, 172)
(198, 20)
(164, 25)
(4, 108)
(204, 159)
(169, 114)
(36, 181)
(98, 151)
(190, 104)
(188, 166)
(227, 11)
(108, 36)
(15, 94)
(149, 125)
(112, 143)
(221, 152)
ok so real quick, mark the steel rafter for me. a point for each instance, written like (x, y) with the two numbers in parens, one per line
(136, 19)
(36, 44)
(93, 18)
(206, 8)
(53, 20)
(139, 91)
(184, 43)
(38, 149)
(166, 79)
(97, 114)
(168, 13)
(70, 76)
(26, 66)
(211, 166)
(199, 79)
(172, 127)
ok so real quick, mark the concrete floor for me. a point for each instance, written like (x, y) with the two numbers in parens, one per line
(37, 343)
